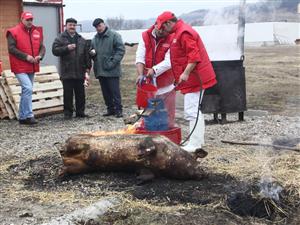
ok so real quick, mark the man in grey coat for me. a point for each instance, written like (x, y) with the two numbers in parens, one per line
(73, 51)
(107, 51)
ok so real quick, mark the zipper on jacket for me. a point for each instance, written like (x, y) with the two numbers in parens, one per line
(31, 48)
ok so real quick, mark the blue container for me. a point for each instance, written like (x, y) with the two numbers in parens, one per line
(158, 119)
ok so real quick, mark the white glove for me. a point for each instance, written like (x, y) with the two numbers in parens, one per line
(93, 52)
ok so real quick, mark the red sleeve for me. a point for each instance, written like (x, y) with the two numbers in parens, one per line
(191, 48)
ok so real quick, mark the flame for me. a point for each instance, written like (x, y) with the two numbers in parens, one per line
(131, 129)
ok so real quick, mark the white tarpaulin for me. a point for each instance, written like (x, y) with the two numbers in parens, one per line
(221, 40)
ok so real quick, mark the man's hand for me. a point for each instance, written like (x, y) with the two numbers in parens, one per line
(37, 59)
(86, 79)
(71, 47)
(139, 79)
(183, 77)
(92, 52)
(150, 72)
(30, 59)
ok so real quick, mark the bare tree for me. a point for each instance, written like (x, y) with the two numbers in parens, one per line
(133, 24)
(119, 23)
(115, 23)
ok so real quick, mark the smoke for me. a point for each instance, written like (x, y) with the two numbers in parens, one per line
(269, 187)
(230, 42)
(262, 11)
(221, 16)
(223, 24)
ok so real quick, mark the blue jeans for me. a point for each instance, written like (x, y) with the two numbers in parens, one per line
(25, 107)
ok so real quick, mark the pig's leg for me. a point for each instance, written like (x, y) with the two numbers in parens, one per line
(145, 176)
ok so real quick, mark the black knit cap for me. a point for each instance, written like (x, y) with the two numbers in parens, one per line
(97, 22)
(71, 20)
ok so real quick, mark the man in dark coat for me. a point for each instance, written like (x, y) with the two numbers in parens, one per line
(107, 52)
(75, 66)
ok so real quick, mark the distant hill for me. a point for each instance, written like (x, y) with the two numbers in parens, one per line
(263, 11)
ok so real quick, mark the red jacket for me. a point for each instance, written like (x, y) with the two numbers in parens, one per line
(156, 54)
(27, 42)
(187, 47)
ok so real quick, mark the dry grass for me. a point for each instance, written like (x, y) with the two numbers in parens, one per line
(242, 165)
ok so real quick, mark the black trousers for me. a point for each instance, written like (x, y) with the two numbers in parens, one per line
(76, 86)
(110, 87)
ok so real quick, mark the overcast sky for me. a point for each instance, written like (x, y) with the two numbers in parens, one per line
(134, 9)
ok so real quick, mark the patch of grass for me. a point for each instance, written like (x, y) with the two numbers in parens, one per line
(127, 86)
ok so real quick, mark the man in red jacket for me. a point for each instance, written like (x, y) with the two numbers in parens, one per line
(26, 49)
(192, 70)
(153, 60)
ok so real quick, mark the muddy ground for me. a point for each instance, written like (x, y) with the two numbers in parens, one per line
(31, 192)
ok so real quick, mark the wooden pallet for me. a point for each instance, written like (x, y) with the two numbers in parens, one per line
(47, 97)
(6, 102)
(3, 111)
(9, 99)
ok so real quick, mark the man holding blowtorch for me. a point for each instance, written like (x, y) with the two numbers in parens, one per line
(153, 60)
(193, 73)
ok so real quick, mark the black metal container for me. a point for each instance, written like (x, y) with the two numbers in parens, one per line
(229, 94)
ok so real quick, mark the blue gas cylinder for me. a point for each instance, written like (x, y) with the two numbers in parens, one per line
(158, 119)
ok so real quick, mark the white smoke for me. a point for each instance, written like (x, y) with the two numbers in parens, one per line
(221, 36)
(269, 187)
(220, 17)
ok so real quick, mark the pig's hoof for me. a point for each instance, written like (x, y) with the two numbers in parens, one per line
(145, 176)
(62, 173)
(200, 153)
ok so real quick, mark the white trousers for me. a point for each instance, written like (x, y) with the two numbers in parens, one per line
(191, 108)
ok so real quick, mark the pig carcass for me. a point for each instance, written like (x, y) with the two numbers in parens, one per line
(152, 155)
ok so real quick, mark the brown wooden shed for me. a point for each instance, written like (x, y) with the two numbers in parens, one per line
(10, 11)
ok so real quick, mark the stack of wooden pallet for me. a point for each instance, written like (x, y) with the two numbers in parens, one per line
(47, 97)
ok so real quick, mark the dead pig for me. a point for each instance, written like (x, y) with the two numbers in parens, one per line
(129, 152)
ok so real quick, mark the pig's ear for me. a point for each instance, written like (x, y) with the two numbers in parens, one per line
(146, 147)
(147, 143)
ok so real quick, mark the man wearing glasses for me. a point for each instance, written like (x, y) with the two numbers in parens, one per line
(26, 49)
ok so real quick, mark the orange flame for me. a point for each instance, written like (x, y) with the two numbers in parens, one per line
(131, 129)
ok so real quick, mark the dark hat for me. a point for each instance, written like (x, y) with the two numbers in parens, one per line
(97, 22)
(71, 20)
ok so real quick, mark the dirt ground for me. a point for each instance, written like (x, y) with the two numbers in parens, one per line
(31, 192)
